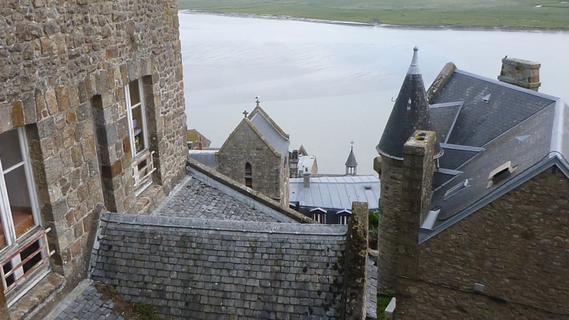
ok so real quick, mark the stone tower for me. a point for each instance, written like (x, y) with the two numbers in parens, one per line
(410, 113)
(351, 163)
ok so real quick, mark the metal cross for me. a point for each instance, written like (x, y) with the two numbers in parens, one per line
(245, 113)
(258, 100)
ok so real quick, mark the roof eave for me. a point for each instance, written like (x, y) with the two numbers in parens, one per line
(552, 159)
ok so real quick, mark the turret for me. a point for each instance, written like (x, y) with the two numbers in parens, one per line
(351, 163)
(404, 177)
(410, 113)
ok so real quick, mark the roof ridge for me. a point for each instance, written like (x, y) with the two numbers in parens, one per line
(270, 120)
(508, 85)
(246, 121)
(226, 225)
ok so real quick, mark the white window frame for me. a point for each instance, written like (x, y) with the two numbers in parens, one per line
(141, 183)
(5, 211)
(14, 244)
(129, 108)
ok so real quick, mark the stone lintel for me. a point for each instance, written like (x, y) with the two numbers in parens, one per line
(355, 263)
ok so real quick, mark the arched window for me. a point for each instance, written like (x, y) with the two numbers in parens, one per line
(248, 175)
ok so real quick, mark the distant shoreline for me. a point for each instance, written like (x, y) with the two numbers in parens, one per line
(364, 24)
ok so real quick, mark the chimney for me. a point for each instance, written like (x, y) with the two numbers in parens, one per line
(306, 176)
(522, 73)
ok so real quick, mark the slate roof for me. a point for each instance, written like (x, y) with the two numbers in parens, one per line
(496, 123)
(270, 131)
(208, 194)
(205, 157)
(308, 162)
(197, 199)
(206, 269)
(410, 113)
(335, 192)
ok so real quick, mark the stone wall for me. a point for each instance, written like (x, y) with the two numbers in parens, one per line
(515, 247)
(391, 176)
(64, 65)
(268, 167)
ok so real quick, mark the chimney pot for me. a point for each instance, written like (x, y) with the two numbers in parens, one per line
(306, 177)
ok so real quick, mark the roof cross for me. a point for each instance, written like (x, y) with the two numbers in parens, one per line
(245, 113)
(258, 101)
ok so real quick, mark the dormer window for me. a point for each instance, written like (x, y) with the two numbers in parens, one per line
(343, 216)
(319, 215)
(500, 174)
(457, 188)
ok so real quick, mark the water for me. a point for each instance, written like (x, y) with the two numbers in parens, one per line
(327, 85)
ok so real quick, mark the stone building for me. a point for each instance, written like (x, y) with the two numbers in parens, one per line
(196, 140)
(256, 154)
(327, 198)
(300, 161)
(218, 250)
(91, 117)
(474, 220)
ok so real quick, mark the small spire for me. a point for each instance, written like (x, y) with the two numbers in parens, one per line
(414, 67)
(258, 101)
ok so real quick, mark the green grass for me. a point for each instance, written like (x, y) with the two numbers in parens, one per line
(458, 13)
(382, 302)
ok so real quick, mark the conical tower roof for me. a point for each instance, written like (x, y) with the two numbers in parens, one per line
(351, 162)
(410, 113)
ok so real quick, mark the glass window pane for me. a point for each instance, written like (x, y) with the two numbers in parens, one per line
(2, 235)
(20, 203)
(10, 152)
(138, 127)
(134, 92)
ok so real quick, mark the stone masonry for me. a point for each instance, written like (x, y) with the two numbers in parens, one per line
(519, 256)
(64, 67)
(498, 263)
(269, 168)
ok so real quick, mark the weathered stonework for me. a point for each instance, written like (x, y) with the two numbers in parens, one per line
(269, 168)
(520, 256)
(506, 261)
(63, 67)
(355, 264)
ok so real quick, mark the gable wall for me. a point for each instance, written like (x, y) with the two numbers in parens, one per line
(243, 146)
(518, 247)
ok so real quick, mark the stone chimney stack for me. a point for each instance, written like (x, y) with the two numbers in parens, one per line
(306, 176)
(418, 172)
(522, 73)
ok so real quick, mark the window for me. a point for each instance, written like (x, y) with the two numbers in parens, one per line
(456, 189)
(248, 175)
(500, 174)
(23, 247)
(143, 164)
(343, 216)
(319, 215)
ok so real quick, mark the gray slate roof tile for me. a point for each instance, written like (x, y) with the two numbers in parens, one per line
(202, 269)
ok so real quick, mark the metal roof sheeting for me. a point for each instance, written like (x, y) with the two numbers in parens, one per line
(335, 192)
